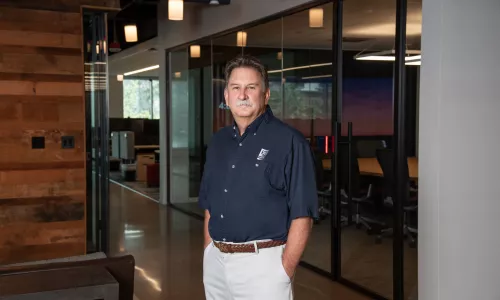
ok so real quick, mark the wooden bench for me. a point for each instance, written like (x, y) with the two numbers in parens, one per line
(79, 280)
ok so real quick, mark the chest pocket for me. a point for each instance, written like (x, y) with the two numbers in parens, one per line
(269, 178)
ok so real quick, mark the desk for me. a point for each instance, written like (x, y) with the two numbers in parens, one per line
(370, 166)
(147, 147)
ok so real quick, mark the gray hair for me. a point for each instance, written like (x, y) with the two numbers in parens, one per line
(247, 61)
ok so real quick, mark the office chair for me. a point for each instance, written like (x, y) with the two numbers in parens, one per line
(368, 148)
(385, 158)
(359, 195)
(324, 190)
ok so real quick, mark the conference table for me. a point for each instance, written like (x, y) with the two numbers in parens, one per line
(371, 167)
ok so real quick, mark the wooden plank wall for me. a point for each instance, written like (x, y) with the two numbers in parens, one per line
(42, 191)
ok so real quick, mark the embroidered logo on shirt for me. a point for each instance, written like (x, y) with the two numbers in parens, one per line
(262, 154)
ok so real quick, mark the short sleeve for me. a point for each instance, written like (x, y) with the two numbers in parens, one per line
(301, 181)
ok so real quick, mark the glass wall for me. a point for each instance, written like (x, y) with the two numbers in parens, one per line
(191, 121)
(141, 98)
(298, 50)
(307, 89)
(367, 106)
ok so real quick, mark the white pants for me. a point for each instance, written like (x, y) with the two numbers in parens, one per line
(245, 276)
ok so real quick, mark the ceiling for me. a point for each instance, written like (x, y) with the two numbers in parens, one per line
(142, 13)
(368, 25)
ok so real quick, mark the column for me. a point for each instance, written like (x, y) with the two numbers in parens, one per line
(459, 151)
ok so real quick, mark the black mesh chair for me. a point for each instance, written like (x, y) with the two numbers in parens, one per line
(323, 187)
(368, 148)
(360, 195)
(385, 158)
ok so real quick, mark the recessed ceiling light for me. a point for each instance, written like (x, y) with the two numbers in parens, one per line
(214, 2)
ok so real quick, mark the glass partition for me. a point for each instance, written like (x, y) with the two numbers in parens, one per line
(180, 117)
(367, 127)
(410, 211)
(307, 99)
(191, 121)
(298, 50)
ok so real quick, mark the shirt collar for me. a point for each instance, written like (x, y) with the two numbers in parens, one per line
(252, 128)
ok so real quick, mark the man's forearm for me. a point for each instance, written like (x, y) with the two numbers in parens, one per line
(208, 239)
(296, 243)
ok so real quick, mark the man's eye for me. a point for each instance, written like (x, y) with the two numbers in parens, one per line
(252, 87)
(235, 88)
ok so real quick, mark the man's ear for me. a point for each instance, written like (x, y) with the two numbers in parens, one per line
(267, 95)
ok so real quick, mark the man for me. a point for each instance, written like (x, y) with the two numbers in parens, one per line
(259, 195)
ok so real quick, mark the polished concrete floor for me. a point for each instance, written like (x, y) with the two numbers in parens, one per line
(168, 248)
(363, 261)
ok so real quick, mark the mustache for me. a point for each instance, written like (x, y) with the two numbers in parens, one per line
(244, 103)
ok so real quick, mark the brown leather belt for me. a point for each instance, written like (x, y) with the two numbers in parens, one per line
(246, 248)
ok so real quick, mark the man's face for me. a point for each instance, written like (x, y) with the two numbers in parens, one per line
(245, 93)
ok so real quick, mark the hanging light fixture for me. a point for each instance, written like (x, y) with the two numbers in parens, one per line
(176, 10)
(131, 33)
(316, 18)
(119, 77)
(195, 51)
(241, 39)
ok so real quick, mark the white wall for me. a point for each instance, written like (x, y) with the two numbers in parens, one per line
(459, 198)
(200, 21)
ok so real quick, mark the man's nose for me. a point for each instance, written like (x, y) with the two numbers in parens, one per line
(242, 95)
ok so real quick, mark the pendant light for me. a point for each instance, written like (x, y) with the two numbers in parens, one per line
(131, 33)
(195, 51)
(241, 39)
(316, 18)
(176, 10)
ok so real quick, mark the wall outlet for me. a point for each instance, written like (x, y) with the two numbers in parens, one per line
(37, 142)
(68, 142)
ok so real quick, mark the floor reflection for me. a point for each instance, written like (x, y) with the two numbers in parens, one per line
(364, 262)
(168, 248)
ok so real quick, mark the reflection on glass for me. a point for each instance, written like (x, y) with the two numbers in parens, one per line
(366, 241)
(307, 95)
(192, 120)
(179, 87)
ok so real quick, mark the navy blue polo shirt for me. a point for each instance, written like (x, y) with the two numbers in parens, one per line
(254, 185)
